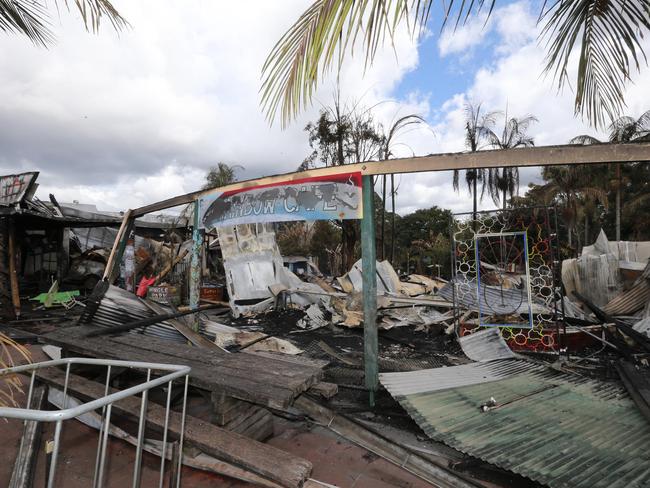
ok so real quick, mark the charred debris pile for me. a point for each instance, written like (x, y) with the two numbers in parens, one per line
(517, 339)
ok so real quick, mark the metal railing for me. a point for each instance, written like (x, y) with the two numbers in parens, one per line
(105, 403)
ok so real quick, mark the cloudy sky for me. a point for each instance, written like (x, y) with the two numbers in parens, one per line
(121, 120)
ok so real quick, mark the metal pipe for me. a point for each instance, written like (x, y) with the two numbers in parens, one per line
(164, 442)
(137, 468)
(65, 386)
(54, 416)
(148, 321)
(180, 441)
(101, 428)
(102, 459)
(31, 389)
(55, 454)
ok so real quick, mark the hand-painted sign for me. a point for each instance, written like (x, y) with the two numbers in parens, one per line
(14, 187)
(334, 197)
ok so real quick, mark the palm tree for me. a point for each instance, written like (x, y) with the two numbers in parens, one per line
(571, 186)
(31, 18)
(386, 152)
(607, 34)
(477, 128)
(622, 130)
(221, 175)
(505, 182)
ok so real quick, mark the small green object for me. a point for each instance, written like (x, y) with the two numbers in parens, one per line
(56, 298)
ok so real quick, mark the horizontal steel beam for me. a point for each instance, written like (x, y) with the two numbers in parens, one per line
(498, 158)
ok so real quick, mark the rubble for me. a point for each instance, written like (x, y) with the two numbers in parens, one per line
(260, 338)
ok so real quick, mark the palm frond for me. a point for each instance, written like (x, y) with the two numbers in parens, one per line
(26, 18)
(31, 17)
(10, 383)
(609, 34)
(92, 11)
(309, 48)
(584, 139)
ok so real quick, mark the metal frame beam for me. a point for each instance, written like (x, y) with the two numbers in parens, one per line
(497, 158)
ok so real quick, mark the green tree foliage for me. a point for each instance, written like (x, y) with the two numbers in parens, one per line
(423, 240)
(622, 130)
(343, 135)
(325, 247)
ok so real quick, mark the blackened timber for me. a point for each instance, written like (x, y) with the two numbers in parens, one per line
(23, 473)
(641, 339)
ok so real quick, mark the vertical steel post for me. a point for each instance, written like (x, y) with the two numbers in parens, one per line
(195, 266)
(369, 273)
(142, 425)
(55, 454)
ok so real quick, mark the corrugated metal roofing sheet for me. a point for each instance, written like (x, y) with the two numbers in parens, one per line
(630, 301)
(485, 345)
(119, 307)
(554, 428)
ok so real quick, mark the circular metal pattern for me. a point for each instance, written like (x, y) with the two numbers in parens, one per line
(537, 227)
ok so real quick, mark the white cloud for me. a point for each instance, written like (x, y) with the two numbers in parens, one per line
(98, 115)
(513, 79)
(466, 36)
(125, 120)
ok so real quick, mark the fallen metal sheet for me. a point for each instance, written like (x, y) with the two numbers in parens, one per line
(632, 300)
(555, 428)
(597, 275)
(485, 345)
(643, 326)
(313, 319)
(623, 250)
(437, 379)
(254, 266)
(387, 279)
(274, 344)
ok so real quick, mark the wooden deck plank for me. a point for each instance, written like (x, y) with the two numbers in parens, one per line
(239, 384)
(276, 372)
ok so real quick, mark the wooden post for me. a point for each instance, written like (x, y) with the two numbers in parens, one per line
(13, 272)
(369, 265)
(113, 263)
(195, 265)
(25, 464)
